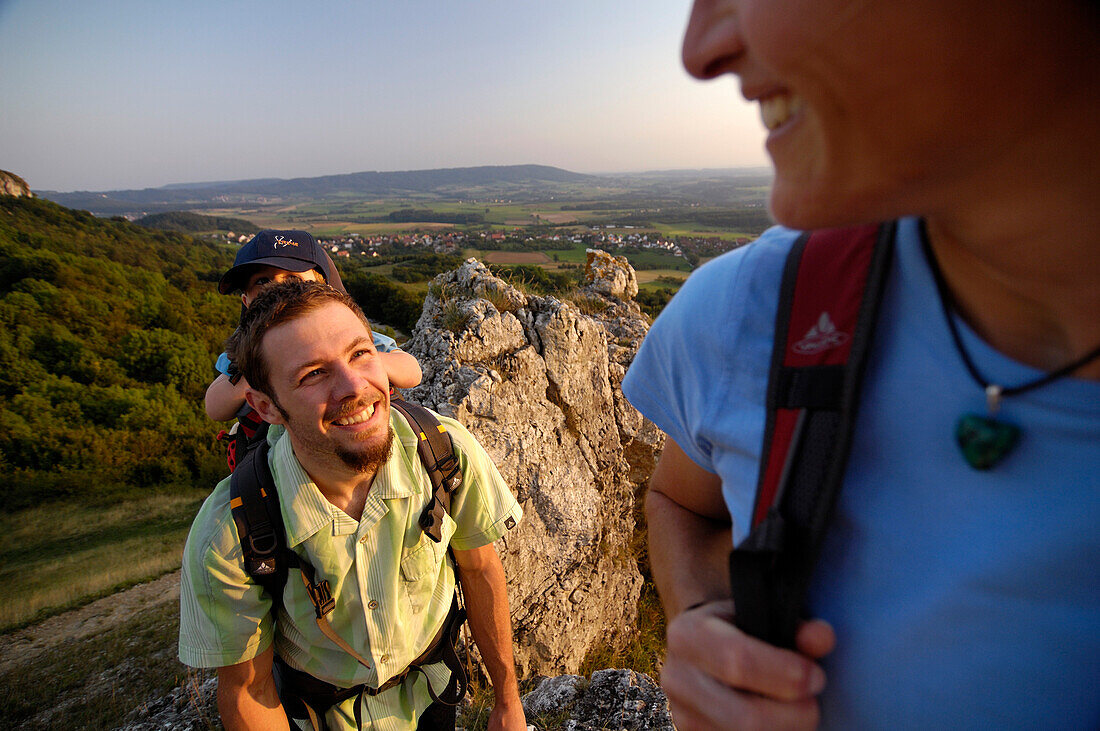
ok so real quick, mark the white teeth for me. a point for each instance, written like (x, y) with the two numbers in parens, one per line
(357, 417)
(777, 109)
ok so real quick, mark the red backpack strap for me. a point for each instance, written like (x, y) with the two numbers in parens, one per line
(829, 301)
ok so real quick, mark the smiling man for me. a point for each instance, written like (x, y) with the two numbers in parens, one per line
(351, 490)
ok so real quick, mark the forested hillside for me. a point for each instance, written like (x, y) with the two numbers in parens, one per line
(188, 222)
(108, 332)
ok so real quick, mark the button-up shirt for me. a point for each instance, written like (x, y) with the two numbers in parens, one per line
(392, 584)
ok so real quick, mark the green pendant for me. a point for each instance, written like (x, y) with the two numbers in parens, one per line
(985, 441)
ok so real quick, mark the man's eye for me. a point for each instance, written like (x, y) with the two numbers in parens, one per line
(361, 352)
(316, 372)
(262, 281)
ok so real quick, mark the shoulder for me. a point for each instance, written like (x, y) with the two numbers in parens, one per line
(213, 536)
(712, 340)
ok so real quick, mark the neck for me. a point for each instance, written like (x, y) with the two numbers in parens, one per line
(340, 485)
(1019, 247)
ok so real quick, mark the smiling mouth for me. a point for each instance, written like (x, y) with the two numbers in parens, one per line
(357, 418)
(778, 108)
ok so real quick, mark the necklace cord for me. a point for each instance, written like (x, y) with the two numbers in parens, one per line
(950, 308)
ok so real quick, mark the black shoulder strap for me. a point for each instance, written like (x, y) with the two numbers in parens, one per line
(254, 501)
(829, 302)
(438, 456)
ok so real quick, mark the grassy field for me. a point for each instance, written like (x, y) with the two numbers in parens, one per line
(60, 555)
(97, 681)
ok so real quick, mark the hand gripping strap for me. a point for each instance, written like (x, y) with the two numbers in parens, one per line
(832, 285)
(437, 454)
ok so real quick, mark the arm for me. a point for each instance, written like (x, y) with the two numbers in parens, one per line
(402, 368)
(715, 674)
(224, 399)
(247, 698)
(486, 597)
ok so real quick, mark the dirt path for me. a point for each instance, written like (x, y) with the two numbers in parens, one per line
(23, 647)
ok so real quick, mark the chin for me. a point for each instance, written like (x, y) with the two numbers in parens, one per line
(809, 207)
(368, 456)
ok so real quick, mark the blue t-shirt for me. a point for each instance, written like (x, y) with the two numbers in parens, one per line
(961, 599)
(382, 343)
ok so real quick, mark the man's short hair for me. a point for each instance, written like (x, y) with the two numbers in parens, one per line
(276, 304)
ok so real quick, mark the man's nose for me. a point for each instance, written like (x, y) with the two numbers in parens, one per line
(348, 382)
(712, 41)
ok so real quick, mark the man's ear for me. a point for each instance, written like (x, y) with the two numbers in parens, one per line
(265, 406)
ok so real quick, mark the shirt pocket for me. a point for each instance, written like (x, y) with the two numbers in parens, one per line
(421, 565)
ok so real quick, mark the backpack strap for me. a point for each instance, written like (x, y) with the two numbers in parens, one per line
(438, 456)
(828, 305)
(254, 502)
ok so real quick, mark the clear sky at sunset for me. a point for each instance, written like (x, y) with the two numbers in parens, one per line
(105, 94)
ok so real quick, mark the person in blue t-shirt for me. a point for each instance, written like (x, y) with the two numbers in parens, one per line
(945, 597)
(275, 256)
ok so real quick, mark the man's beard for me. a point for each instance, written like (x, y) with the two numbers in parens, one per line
(368, 460)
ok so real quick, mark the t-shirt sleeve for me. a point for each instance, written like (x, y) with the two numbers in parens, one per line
(484, 508)
(225, 618)
(706, 357)
(222, 364)
(383, 343)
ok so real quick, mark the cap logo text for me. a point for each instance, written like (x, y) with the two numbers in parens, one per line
(280, 241)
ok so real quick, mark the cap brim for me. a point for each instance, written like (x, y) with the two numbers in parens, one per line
(232, 279)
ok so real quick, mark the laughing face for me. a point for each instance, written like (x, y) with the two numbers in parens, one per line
(330, 389)
(874, 108)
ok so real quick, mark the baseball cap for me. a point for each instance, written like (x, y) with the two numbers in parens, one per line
(294, 251)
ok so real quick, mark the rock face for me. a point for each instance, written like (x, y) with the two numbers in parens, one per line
(612, 699)
(536, 380)
(13, 185)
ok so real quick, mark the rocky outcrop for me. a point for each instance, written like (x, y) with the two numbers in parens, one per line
(536, 380)
(13, 185)
(611, 699)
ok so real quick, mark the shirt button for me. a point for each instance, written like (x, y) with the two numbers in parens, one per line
(384, 658)
(372, 605)
(363, 539)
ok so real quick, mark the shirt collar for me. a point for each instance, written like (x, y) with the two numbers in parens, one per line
(305, 509)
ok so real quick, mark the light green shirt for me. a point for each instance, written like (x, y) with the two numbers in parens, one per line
(392, 584)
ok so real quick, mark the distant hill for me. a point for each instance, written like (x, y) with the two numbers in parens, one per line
(365, 184)
(187, 222)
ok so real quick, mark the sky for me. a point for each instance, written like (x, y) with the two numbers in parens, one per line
(119, 94)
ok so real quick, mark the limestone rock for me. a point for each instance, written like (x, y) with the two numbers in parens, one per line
(190, 707)
(610, 275)
(612, 699)
(13, 185)
(537, 382)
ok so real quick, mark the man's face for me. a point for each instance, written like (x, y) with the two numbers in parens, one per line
(330, 388)
(872, 106)
(265, 274)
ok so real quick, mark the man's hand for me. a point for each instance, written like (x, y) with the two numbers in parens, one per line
(507, 716)
(717, 677)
